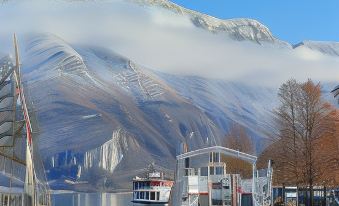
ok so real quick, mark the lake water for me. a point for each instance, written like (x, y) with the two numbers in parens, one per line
(94, 199)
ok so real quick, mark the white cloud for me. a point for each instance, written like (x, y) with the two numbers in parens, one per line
(164, 41)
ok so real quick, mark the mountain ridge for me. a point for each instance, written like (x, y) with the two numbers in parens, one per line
(237, 28)
(326, 47)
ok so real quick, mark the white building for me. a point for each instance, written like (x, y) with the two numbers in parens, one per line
(202, 180)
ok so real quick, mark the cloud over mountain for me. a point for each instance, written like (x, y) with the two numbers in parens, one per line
(161, 39)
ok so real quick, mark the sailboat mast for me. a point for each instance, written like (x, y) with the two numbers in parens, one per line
(17, 73)
(30, 173)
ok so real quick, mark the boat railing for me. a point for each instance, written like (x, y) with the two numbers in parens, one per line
(151, 187)
(11, 199)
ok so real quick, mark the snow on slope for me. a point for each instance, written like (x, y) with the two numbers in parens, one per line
(250, 106)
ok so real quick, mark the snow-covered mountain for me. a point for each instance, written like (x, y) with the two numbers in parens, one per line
(98, 111)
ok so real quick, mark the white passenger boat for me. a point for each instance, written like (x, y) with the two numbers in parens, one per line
(153, 189)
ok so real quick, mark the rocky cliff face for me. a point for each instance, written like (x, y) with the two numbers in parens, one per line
(108, 155)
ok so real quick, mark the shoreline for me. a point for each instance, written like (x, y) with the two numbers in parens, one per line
(59, 192)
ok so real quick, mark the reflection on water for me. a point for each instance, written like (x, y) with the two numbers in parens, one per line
(94, 199)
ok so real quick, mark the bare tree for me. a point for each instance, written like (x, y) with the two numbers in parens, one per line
(286, 116)
(238, 139)
(305, 125)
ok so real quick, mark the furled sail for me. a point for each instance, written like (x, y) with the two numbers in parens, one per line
(12, 143)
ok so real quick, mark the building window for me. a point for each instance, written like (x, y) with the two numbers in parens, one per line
(187, 162)
(158, 195)
(204, 171)
(147, 195)
(216, 157)
(152, 195)
(219, 170)
(142, 195)
(211, 170)
(138, 195)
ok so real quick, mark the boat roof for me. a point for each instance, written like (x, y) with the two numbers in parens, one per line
(151, 179)
(11, 190)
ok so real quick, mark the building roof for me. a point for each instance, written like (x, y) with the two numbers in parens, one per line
(223, 150)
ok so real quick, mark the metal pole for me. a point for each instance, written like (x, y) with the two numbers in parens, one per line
(324, 196)
(253, 183)
(283, 193)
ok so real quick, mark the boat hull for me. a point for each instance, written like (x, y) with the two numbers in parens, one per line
(148, 202)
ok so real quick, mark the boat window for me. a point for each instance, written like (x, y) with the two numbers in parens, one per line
(158, 195)
(152, 195)
(211, 170)
(219, 170)
(148, 184)
(138, 195)
(147, 195)
(142, 195)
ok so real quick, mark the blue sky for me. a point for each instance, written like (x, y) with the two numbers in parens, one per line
(289, 20)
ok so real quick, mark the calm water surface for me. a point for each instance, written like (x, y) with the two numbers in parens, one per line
(94, 199)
